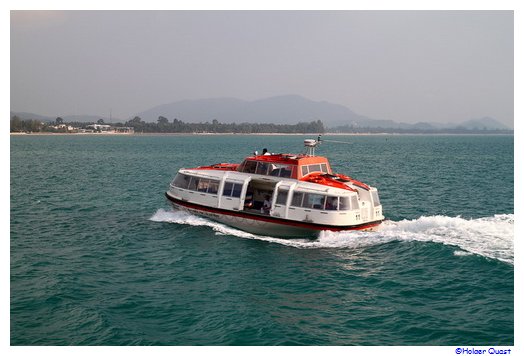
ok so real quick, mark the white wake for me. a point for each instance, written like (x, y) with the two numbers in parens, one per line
(491, 237)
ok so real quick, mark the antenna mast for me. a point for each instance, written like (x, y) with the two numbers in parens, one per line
(311, 144)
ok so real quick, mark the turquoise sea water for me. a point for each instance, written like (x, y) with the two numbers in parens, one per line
(99, 258)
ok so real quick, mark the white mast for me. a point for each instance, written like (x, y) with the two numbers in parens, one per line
(311, 144)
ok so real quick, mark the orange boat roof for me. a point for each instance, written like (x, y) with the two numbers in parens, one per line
(324, 177)
(289, 159)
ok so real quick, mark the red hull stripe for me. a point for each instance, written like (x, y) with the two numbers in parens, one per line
(272, 219)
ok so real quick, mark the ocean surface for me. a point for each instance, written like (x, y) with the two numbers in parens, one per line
(98, 257)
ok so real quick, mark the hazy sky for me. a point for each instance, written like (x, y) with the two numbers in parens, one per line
(407, 66)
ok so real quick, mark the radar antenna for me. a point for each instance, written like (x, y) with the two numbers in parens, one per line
(311, 144)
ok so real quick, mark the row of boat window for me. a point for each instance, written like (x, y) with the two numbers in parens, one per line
(267, 169)
(299, 199)
(322, 167)
(280, 170)
(205, 185)
(197, 184)
(317, 201)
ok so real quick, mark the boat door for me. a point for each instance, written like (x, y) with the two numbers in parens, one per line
(281, 198)
(233, 193)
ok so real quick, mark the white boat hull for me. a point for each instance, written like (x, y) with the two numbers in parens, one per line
(260, 224)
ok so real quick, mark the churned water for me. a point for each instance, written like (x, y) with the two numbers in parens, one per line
(99, 258)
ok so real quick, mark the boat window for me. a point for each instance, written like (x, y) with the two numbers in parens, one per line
(297, 199)
(344, 203)
(280, 170)
(282, 196)
(194, 183)
(213, 186)
(182, 181)
(314, 168)
(228, 188)
(240, 168)
(202, 185)
(323, 166)
(376, 200)
(237, 189)
(331, 203)
(304, 170)
(262, 168)
(248, 167)
(232, 190)
(354, 202)
(313, 201)
(286, 172)
(293, 171)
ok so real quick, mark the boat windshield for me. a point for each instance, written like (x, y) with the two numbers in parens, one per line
(181, 181)
(267, 168)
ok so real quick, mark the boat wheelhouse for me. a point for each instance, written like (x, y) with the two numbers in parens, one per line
(278, 194)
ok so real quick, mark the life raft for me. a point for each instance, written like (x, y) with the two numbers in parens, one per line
(335, 180)
(221, 166)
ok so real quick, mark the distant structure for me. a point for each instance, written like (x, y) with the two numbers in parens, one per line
(64, 128)
(99, 127)
(129, 130)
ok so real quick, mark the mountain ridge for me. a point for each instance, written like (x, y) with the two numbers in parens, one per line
(291, 108)
(276, 109)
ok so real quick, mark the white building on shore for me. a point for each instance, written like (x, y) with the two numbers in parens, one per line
(99, 127)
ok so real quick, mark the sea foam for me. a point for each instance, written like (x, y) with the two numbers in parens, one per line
(491, 237)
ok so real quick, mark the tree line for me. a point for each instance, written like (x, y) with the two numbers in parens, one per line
(388, 130)
(19, 125)
(163, 125)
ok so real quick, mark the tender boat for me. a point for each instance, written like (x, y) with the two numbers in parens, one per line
(282, 195)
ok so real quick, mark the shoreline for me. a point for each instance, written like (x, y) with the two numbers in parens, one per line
(258, 134)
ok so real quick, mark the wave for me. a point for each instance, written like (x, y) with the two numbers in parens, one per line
(491, 237)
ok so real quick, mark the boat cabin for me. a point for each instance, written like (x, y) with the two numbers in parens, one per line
(285, 166)
(269, 195)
